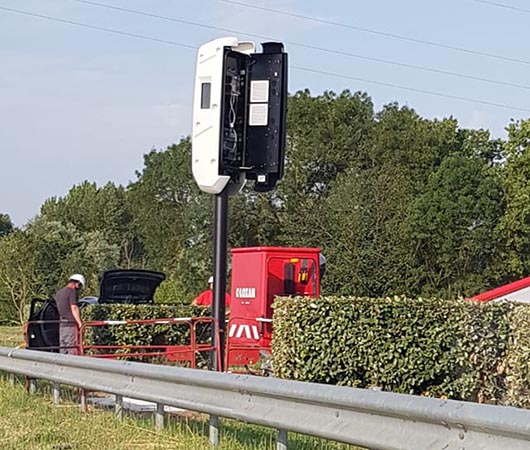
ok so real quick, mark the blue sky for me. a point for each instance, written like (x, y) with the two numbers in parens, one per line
(79, 104)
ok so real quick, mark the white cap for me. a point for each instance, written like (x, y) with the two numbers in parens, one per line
(78, 277)
(210, 280)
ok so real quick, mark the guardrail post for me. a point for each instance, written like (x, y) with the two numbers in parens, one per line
(32, 386)
(56, 389)
(281, 440)
(118, 407)
(214, 431)
(11, 378)
(83, 399)
(159, 417)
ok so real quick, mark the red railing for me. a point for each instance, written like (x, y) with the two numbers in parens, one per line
(185, 352)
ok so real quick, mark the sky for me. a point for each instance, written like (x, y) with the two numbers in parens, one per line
(78, 103)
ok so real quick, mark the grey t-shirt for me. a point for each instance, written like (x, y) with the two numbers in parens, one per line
(64, 298)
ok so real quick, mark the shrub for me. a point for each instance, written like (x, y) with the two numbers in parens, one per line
(517, 364)
(454, 349)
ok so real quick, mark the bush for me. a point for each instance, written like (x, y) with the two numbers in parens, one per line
(455, 349)
(517, 364)
(170, 292)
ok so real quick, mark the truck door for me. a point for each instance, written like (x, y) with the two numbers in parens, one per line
(288, 277)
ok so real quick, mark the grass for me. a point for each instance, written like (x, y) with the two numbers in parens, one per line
(33, 423)
(11, 336)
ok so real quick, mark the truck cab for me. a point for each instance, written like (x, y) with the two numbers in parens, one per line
(259, 275)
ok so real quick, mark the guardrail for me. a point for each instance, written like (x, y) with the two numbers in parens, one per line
(371, 419)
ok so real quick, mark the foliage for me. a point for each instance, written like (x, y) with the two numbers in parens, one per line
(171, 291)
(19, 280)
(370, 252)
(60, 250)
(172, 218)
(327, 136)
(105, 210)
(517, 365)
(451, 226)
(514, 227)
(11, 336)
(431, 347)
(6, 226)
(400, 205)
(142, 334)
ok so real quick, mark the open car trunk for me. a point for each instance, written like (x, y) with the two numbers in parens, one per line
(129, 286)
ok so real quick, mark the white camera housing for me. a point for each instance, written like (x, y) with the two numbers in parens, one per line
(207, 112)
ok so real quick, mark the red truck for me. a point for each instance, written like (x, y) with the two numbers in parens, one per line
(259, 274)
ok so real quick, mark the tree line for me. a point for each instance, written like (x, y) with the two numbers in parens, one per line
(400, 204)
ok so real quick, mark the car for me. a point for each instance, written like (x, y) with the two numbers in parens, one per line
(120, 286)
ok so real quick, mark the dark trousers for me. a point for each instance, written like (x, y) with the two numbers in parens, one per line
(68, 339)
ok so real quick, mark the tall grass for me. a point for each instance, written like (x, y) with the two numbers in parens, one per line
(11, 336)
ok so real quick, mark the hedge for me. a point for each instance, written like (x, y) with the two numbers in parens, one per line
(517, 363)
(448, 349)
(441, 348)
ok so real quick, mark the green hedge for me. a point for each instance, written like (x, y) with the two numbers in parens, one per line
(159, 334)
(449, 349)
(517, 363)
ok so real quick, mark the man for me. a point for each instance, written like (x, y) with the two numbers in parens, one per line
(205, 298)
(322, 264)
(70, 319)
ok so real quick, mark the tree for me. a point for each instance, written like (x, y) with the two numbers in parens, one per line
(514, 227)
(6, 226)
(327, 135)
(400, 204)
(414, 213)
(253, 220)
(452, 227)
(105, 210)
(401, 138)
(19, 281)
(60, 249)
(368, 254)
(173, 218)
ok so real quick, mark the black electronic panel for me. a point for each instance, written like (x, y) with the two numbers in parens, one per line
(266, 116)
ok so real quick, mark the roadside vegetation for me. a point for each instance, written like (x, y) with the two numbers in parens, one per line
(31, 422)
(399, 204)
(11, 336)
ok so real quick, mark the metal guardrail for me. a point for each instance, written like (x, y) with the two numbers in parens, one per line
(372, 419)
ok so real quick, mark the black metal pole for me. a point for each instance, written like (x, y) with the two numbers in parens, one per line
(219, 286)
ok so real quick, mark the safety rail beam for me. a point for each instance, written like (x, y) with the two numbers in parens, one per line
(371, 419)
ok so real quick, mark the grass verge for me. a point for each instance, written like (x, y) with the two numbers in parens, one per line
(11, 336)
(33, 423)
